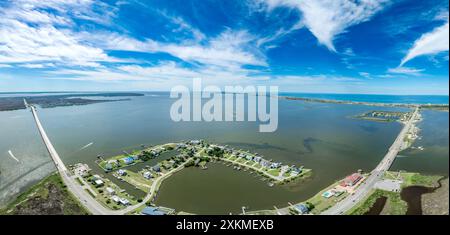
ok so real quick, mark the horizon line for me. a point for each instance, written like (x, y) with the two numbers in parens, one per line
(293, 92)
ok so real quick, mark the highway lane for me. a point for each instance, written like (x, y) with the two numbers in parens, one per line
(376, 175)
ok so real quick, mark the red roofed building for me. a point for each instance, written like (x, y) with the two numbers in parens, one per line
(351, 180)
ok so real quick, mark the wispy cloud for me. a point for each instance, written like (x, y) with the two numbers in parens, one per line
(45, 34)
(229, 49)
(39, 31)
(405, 70)
(364, 74)
(328, 18)
(429, 43)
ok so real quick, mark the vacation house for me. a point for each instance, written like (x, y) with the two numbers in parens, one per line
(351, 180)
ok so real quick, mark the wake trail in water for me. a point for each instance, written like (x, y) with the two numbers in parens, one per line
(86, 146)
(12, 156)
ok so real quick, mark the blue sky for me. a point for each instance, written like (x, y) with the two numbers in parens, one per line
(319, 46)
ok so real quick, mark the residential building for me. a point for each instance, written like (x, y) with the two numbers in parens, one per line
(156, 168)
(302, 208)
(124, 201)
(128, 160)
(148, 175)
(98, 182)
(351, 180)
(115, 198)
(110, 191)
(150, 210)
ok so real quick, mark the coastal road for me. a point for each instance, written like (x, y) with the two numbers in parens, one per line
(74, 187)
(377, 174)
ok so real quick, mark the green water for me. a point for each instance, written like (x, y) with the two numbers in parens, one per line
(319, 136)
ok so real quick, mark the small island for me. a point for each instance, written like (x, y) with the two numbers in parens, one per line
(385, 116)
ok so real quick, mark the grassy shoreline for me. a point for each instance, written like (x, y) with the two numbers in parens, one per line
(48, 196)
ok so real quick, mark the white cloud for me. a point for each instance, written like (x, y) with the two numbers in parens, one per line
(20, 42)
(442, 15)
(405, 70)
(33, 37)
(328, 18)
(32, 66)
(34, 16)
(165, 72)
(183, 26)
(429, 43)
(364, 74)
(37, 66)
(229, 49)
(91, 10)
(30, 32)
(277, 35)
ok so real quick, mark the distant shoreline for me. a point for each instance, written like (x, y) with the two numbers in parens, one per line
(54, 100)
(442, 107)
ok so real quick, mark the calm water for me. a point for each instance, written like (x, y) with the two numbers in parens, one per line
(318, 136)
(435, 138)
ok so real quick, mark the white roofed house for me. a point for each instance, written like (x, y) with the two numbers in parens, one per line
(264, 163)
(275, 165)
(115, 198)
(124, 201)
(147, 175)
(110, 191)
(98, 183)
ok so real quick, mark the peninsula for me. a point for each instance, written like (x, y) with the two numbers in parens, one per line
(439, 107)
(58, 100)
